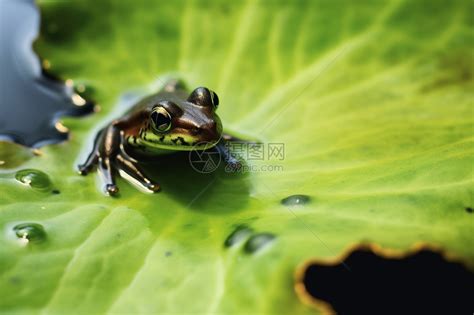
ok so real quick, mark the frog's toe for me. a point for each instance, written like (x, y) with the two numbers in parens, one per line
(83, 169)
(111, 189)
(87, 166)
(153, 187)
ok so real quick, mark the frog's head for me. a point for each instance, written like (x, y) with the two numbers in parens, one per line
(184, 124)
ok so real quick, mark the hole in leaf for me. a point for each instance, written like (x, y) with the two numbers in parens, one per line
(423, 282)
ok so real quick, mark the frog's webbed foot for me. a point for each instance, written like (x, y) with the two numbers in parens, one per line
(132, 169)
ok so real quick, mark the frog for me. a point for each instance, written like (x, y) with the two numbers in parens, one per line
(171, 120)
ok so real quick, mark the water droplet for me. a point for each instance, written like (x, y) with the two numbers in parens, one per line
(168, 254)
(240, 233)
(257, 242)
(295, 200)
(34, 178)
(469, 210)
(30, 232)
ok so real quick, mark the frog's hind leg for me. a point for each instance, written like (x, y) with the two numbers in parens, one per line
(106, 145)
(109, 147)
(134, 171)
(173, 85)
(225, 153)
(222, 147)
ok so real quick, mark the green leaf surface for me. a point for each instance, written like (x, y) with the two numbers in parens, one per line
(373, 101)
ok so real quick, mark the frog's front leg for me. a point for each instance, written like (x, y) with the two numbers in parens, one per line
(106, 148)
(110, 158)
(132, 169)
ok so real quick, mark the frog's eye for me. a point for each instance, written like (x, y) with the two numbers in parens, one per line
(161, 119)
(203, 97)
(214, 98)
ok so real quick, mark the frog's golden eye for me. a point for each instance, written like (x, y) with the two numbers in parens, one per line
(160, 119)
(214, 98)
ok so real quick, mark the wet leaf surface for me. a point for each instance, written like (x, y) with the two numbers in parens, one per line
(370, 100)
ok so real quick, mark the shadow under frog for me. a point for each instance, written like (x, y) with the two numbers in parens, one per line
(203, 192)
(162, 130)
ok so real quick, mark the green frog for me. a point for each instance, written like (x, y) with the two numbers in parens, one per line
(168, 121)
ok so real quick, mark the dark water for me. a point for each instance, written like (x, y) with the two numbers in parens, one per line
(30, 100)
(423, 283)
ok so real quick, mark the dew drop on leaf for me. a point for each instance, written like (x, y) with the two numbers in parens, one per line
(295, 200)
(240, 233)
(34, 178)
(30, 232)
(257, 242)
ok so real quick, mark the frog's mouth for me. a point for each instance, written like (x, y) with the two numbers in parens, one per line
(183, 139)
(178, 142)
